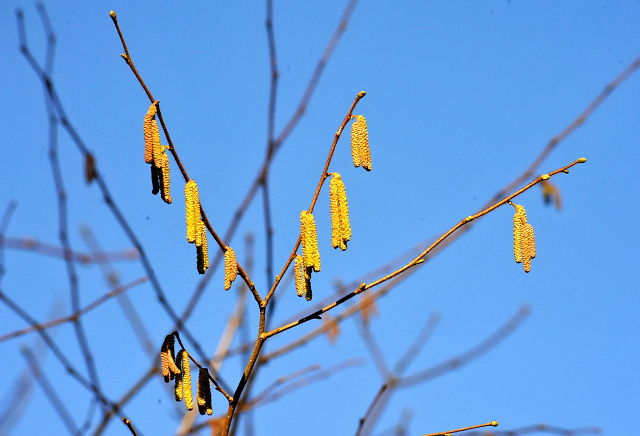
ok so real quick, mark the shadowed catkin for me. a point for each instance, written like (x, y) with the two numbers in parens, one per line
(178, 386)
(167, 353)
(202, 249)
(230, 267)
(148, 133)
(155, 179)
(186, 379)
(309, 238)
(204, 392)
(298, 266)
(360, 151)
(308, 294)
(192, 202)
(156, 147)
(340, 226)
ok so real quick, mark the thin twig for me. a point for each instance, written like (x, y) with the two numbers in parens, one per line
(174, 153)
(374, 349)
(539, 428)
(127, 422)
(443, 433)
(281, 138)
(419, 259)
(108, 199)
(323, 177)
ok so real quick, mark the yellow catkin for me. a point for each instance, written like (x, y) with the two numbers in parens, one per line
(230, 267)
(192, 201)
(355, 143)
(309, 239)
(165, 186)
(178, 387)
(148, 133)
(340, 226)
(360, 152)
(517, 237)
(169, 368)
(186, 380)
(202, 249)
(156, 147)
(524, 243)
(531, 241)
(204, 392)
(298, 266)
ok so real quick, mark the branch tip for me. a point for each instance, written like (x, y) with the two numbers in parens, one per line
(494, 423)
(113, 15)
(361, 94)
(582, 160)
(125, 57)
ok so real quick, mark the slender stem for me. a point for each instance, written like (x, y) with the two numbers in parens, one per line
(489, 424)
(419, 259)
(323, 177)
(381, 391)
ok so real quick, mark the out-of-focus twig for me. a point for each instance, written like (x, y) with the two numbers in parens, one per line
(49, 391)
(75, 315)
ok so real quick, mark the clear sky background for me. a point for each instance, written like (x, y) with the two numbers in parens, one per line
(461, 97)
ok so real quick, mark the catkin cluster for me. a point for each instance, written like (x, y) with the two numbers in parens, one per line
(360, 143)
(196, 230)
(204, 393)
(340, 227)
(524, 241)
(156, 155)
(167, 357)
(230, 267)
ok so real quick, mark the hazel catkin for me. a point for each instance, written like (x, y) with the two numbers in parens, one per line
(309, 238)
(298, 266)
(192, 203)
(340, 226)
(204, 392)
(149, 133)
(178, 386)
(524, 244)
(360, 151)
(165, 176)
(230, 267)
(186, 380)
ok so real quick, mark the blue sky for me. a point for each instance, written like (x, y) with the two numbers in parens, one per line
(461, 97)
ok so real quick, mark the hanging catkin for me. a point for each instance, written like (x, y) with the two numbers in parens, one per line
(186, 380)
(202, 249)
(308, 294)
(309, 239)
(155, 179)
(204, 392)
(298, 266)
(340, 226)
(148, 133)
(230, 267)
(192, 201)
(524, 244)
(156, 147)
(167, 353)
(360, 151)
(165, 176)
(178, 387)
